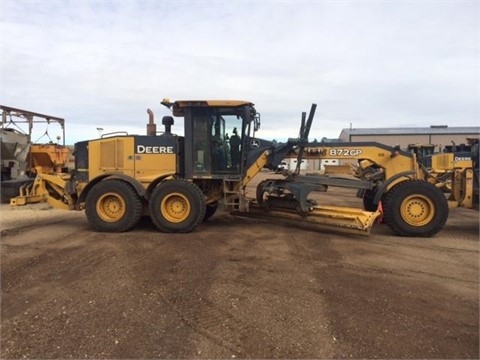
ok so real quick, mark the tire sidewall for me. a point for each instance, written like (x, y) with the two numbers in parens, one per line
(194, 196)
(210, 210)
(399, 193)
(132, 201)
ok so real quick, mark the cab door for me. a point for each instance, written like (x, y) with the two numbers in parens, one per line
(213, 142)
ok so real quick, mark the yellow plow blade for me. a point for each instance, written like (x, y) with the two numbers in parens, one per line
(343, 219)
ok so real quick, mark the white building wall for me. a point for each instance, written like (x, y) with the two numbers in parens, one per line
(328, 162)
(292, 165)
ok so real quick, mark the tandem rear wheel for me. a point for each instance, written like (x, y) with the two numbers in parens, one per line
(113, 206)
(177, 206)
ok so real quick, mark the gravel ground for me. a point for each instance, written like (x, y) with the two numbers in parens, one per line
(235, 288)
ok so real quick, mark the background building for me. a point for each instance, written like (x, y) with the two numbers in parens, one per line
(440, 135)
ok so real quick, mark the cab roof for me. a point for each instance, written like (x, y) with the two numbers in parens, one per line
(178, 107)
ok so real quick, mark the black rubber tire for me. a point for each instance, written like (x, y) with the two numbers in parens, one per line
(209, 211)
(113, 206)
(177, 206)
(368, 197)
(261, 190)
(415, 208)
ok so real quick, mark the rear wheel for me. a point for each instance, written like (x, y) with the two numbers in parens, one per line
(113, 206)
(177, 206)
(210, 209)
(415, 208)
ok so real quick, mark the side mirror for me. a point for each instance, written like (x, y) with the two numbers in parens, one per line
(256, 122)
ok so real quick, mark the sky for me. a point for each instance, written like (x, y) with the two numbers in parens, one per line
(366, 64)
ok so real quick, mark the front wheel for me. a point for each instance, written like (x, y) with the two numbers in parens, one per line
(415, 208)
(177, 206)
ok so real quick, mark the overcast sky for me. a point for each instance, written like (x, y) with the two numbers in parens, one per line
(365, 63)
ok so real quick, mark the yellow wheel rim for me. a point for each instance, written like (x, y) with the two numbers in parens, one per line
(175, 207)
(111, 207)
(417, 210)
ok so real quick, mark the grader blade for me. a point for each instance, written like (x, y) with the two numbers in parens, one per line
(342, 219)
(345, 217)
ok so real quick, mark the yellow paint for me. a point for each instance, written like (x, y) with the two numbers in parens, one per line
(255, 168)
(109, 155)
(117, 155)
(180, 105)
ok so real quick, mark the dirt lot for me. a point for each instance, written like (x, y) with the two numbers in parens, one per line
(235, 288)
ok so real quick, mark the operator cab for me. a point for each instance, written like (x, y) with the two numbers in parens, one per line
(216, 136)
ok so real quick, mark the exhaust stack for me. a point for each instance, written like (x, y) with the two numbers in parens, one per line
(151, 126)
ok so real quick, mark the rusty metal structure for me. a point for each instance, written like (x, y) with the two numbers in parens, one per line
(21, 158)
(13, 116)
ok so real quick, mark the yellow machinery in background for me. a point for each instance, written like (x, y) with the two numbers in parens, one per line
(49, 158)
(21, 158)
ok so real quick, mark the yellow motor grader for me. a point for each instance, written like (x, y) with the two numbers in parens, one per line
(412, 197)
(179, 181)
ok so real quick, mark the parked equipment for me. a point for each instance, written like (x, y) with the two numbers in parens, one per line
(21, 159)
(179, 181)
(415, 201)
(452, 157)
